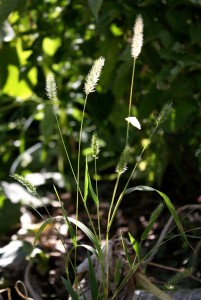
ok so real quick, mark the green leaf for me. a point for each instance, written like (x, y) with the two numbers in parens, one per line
(40, 230)
(86, 182)
(93, 194)
(126, 252)
(95, 6)
(72, 233)
(136, 246)
(70, 289)
(92, 280)
(167, 202)
(87, 231)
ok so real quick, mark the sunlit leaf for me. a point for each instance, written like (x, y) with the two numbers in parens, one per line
(135, 245)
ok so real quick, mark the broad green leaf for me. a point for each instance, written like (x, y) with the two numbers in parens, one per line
(70, 289)
(95, 6)
(167, 202)
(92, 280)
(136, 246)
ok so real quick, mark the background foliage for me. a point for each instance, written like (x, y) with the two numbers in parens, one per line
(64, 37)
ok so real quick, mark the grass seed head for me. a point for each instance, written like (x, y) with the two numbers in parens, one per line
(122, 164)
(93, 76)
(30, 188)
(51, 89)
(95, 145)
(137, 40)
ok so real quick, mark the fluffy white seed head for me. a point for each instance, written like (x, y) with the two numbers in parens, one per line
(137, 40)
(93, 76)
(51, 89)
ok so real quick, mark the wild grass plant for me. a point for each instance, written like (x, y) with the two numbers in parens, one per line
(98, 266)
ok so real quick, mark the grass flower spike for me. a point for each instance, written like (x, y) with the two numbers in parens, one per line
(93, 76)
(122, 164)
(30, 188)
(95, 146)
(165, 113)
(51, 89)
(137, 40)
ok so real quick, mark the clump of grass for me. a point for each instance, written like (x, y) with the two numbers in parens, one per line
(100, 287)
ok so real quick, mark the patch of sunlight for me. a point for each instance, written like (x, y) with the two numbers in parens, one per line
(87, 151)
(116, 30)
(23, 55)
(50, 46)
(144, 142)
(142, 165)
(151, 176)
(16, 88)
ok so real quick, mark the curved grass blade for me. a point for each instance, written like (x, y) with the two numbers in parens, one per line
(40, 230)
(93, 194)
(87, 231)
(70, 289)
(167, 202)
(72, 233)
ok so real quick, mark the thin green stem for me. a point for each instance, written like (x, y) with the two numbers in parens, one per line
(78, 159)
(113, 198)
(66, 152)
(130, 100)
(98, 207)
(107, 234)
(129, 179)
(78, 177)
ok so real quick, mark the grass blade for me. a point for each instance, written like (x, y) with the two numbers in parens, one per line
(40, 230)
(135, 245)
(86, 182)
(167, 202)
(70, 289)
(87, 231)
(92, 280)
(93, 194)
(72, 233)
